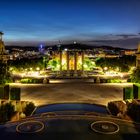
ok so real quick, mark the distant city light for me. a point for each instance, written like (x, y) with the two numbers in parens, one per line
(37, 68)
(58, 45)
(65, 49)
(121, 75)
(105, 68)
(41, 46)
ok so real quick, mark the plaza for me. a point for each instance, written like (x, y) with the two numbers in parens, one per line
(60, 91)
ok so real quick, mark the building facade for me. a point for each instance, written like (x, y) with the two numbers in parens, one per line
(138, 57)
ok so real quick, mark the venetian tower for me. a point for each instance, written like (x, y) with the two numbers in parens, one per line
(138, 57)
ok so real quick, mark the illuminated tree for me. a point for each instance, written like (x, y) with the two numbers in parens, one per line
(88, 64)
(122, 63)
(54, 64)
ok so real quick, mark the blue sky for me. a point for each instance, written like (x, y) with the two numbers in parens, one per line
(100, 22)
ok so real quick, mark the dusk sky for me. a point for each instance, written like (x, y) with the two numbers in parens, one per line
(96, 22)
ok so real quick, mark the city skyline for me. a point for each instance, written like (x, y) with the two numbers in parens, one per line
(99, 22)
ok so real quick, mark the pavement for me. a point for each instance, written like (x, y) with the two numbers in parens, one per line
(60, 91)
(70, 127)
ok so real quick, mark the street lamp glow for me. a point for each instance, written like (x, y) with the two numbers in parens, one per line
(37, 68)
(121, 75)
(65, 49)
(11, 69)
(105, 68)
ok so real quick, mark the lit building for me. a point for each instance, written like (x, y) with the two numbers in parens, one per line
(128, 52)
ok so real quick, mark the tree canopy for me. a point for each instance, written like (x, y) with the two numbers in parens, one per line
(123, 63)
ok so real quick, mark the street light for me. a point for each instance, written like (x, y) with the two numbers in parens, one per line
(105, 68)
(65, 49)
(121, 75)
(37, 68)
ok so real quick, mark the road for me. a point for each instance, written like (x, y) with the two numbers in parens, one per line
(59, 92)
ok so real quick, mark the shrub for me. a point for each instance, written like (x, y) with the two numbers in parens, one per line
(113, 108)
(24, 80)
(30, 80)
(29, 109)
(6, 112)
(116, 81)
(116, 107)
(134, 110)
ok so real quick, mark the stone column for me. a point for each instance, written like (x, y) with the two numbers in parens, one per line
(83, 61)
(83, 74)
(67, 60)
(75, 63)
(60, 61)
(68, 67)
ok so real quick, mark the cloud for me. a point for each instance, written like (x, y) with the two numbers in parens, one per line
(127, 35)
(128, 43)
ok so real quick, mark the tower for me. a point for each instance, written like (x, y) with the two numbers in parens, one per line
(2, 47)
(3, 56)
(3, 61)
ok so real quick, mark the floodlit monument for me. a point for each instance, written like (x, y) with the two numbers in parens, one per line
(71, 62)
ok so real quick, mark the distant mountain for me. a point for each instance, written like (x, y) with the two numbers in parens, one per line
(30, 48)
(85, 47)
(68, 46)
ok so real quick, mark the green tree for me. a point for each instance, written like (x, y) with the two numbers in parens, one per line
(88, 64)
(123, 63)
(54, 64)
(135, 76)
(4, 74)
(25, 63)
